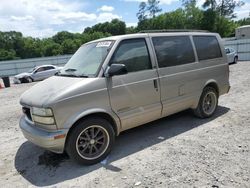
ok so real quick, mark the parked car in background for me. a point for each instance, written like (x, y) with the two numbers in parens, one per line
(36, 74)
(232, 56)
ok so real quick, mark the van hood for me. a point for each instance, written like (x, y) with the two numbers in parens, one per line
(56, 88)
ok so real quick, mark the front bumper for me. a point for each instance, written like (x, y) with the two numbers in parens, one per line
(16, 80)
(47, 139)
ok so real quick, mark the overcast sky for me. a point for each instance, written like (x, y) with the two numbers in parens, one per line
(44, 18)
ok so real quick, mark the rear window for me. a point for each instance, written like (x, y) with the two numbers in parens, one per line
(173, 50)
(207, 47)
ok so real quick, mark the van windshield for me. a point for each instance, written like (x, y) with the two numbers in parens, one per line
(87, 60)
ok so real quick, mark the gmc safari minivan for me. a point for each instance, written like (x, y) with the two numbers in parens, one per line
(117, 83)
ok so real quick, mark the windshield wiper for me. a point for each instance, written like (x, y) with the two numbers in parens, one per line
(70, 70)
(68, 75)
(73, 75)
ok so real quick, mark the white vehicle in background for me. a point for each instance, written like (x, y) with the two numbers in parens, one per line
(232, 56)
(36, 74)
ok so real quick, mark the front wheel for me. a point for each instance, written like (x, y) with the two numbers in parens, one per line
(207, 104)
(28, 79)
(90, 141)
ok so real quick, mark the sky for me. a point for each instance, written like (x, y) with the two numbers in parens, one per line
(44, 18)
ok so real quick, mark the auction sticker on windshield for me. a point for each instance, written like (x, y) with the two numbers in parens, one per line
(103, 44)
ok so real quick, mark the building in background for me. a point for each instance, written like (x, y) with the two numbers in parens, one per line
(240, 43)
(242, 32)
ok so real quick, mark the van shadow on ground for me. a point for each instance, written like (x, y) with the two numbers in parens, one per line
(42, 168)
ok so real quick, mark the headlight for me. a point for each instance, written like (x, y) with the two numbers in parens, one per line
(43, 116)
(43, 120)
(42, 111)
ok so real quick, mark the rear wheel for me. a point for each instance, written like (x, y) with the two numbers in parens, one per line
(90, 141)
(235, 59)
(207, 104)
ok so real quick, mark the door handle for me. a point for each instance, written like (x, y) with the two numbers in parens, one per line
(155, 84)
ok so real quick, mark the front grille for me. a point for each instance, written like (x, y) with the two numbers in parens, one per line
(26, 111)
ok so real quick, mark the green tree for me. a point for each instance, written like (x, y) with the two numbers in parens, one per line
(51, 48)
(244, 21)
(194, 15)
(224, 8)
(31, 48)
(141, 15)
(153, 7)
(115, 27)
(7, 54)
(62, 36)
(209, 20)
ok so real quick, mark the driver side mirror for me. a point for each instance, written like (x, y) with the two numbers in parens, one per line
(116, 69)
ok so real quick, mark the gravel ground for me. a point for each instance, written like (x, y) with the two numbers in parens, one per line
(177, 151)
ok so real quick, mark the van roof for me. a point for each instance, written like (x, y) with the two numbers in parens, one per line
(149, 34)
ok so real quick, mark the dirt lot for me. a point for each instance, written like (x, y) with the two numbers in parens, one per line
(177, 151)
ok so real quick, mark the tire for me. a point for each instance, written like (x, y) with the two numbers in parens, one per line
(235, 60)
(81, 141)
(28, 80)
(207, 104)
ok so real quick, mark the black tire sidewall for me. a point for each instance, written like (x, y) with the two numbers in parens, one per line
(73, 135)
(27, 79)
(235, 59)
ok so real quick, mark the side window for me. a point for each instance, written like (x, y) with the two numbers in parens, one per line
(227, 51)
(207, 47)
(173, 50)
(49, 68)
(133, 53)
(41, 69)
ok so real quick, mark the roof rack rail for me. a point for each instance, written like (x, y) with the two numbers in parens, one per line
(172, 30)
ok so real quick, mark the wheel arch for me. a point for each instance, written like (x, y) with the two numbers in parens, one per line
(96, 113)
(210, 83)
(213, 84)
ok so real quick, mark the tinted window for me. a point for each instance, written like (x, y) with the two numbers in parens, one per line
(50, 68)
(232, 50)
(41, 69)
(207, 47)
(133, 54)
(172, 51)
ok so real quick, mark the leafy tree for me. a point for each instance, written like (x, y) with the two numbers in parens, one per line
(31, 48)
(141, 15)
(194, 15)
(153, 7)
(115, 27)
(225, 27)
(130, 30)
(225, 8)
(7, 54)
(50, 47)
(62, 36)
(209, 20)
(244, 21)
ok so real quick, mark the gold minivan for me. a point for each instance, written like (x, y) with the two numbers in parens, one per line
(117, 83)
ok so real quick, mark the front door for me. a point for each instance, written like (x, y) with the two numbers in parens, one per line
(39, 74)
(135, 96)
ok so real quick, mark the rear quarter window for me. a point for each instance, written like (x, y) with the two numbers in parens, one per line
(207, 47)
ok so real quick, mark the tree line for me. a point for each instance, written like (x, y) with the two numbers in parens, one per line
(215, 16)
